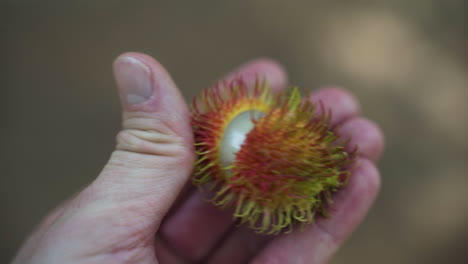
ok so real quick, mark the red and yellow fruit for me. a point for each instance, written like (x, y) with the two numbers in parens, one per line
(272, 157)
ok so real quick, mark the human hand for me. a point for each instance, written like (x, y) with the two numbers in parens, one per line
(141, 208)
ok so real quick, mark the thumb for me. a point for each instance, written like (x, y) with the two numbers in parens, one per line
(154, 155)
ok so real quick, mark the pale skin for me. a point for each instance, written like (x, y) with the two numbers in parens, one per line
(142, 209)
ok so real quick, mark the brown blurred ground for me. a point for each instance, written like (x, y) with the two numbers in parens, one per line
(407, 61)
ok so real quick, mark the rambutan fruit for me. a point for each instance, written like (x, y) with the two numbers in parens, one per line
(274, 158)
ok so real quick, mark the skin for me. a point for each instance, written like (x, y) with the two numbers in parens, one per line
(142, 208)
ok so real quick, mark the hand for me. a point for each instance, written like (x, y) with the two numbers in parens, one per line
(141, 208)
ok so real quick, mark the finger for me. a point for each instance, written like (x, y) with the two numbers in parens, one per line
(342, 104)
(197, 226)
(152, 161)
(318, 242)
(154, 153)
(365, 135)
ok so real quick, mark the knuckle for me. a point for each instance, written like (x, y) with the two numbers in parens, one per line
(151, 142)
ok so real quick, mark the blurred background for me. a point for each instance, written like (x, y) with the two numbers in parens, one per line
(407, 62)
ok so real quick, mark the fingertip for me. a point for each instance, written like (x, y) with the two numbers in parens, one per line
(342, 103)
(144, 58)
(159, 75)
(142, 81)
(370, 176)
(364, 134)
(271, 68)
(266, 68)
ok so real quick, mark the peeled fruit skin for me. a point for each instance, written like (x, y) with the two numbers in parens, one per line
(272, 157)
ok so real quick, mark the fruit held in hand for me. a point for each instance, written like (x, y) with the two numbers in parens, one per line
(272, 157)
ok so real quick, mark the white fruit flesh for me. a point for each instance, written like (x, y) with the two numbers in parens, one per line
(235, 134)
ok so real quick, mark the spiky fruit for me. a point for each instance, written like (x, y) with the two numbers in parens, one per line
(271, 157)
